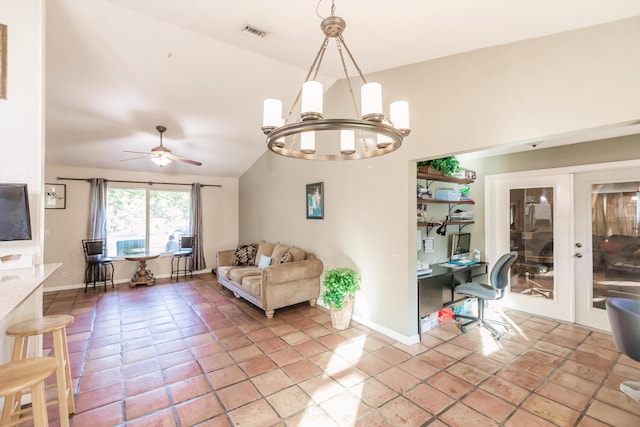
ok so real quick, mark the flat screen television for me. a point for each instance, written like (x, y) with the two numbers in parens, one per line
(460, 245)
(15, 222)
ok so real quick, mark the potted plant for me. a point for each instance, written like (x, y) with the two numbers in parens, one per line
(341, 285)
(446, 166)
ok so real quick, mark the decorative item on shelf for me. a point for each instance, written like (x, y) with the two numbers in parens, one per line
(341, 284)
(464, 192)
(424, 193)
(446, 166)
(369, 134)
(447, 194)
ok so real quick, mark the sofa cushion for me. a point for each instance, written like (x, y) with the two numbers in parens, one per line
(278, 251)
(245, 254)
(237, 274)
(224, 270)
(251, 284)
(264, 248)
(297, 254)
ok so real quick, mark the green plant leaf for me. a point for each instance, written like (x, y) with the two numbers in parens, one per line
(339, 282)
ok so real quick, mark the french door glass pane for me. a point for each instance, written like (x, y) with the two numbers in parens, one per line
(531, 236)
(615, 218)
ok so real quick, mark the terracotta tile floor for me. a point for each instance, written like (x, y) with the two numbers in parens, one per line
(189, 353)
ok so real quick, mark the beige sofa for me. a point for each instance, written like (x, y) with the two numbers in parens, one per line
(292, 277)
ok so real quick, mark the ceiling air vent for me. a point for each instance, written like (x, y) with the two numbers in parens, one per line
(254, 31)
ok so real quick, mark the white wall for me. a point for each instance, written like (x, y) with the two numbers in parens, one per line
(507, 94)
(65, 228)
(22, 115)
(21, 136)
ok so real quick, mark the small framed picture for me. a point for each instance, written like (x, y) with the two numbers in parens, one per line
(3, 61)
(55, 196)
(315, 200)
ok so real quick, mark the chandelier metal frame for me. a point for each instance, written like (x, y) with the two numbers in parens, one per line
(377, 124)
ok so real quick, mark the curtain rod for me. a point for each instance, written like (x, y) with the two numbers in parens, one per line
(138, 182)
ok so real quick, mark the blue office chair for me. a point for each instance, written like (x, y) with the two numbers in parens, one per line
(499, 279)
(624, 317)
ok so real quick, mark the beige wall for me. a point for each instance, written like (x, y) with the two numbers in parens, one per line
(507, 94)
(65, 228)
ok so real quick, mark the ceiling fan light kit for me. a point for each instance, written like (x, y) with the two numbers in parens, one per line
(162, 156)
(369, 134)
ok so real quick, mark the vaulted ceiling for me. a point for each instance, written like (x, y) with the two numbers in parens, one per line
(117, 68)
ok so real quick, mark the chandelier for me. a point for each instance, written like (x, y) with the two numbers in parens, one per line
(369, 134)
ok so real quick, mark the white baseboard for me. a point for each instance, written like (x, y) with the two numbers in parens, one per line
(116, 282)
(406, 340)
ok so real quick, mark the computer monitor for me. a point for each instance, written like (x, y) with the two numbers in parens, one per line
(460, 245)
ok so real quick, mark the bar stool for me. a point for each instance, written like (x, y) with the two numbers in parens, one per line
(56, 325)
(26, 374)
(185, 252)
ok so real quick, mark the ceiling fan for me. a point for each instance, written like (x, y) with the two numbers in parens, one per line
(161, 155)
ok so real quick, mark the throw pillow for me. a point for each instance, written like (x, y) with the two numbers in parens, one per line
(278, 251)
(297, 254)
(285, 258)
(265, 261)
(264, 248)
(245, 254)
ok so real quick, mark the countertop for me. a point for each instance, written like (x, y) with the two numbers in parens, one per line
(16, 285)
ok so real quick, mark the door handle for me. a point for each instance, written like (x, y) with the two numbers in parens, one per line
(578, 255)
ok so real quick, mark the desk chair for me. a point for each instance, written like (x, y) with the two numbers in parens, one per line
(97, 263)
(186, 253)
(624, 317)
(499, 279)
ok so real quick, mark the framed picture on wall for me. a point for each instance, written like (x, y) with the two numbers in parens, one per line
(3, 61)
(315, 200)
(55, 196)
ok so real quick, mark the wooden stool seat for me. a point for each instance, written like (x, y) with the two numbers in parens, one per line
(22, 374)
(56, 325)
(40, 325)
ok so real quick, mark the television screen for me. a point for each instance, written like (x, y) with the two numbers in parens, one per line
(460, 245)
(15, 223)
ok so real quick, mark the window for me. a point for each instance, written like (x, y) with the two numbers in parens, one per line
(143, 220)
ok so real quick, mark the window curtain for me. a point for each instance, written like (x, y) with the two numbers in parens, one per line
(195, 225)
(98, 209)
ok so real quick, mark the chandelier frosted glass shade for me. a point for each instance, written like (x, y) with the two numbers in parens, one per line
(311, 136)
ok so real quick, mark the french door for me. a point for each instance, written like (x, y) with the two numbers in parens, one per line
(608, 259)
(577, 236)
(531, 214)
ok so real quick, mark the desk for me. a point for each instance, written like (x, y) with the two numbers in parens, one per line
(142, 276)
(437, 288)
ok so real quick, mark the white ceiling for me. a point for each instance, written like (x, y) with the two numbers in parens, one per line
(117, 68)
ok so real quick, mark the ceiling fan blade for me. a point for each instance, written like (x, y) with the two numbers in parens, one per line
(136, 152)
(182, 159)
(134, 158)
